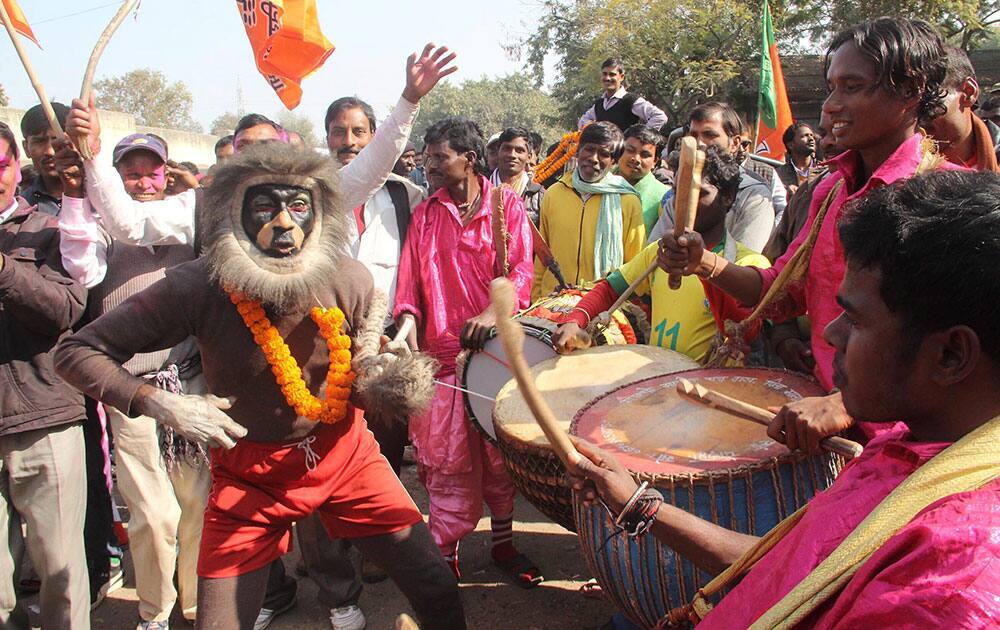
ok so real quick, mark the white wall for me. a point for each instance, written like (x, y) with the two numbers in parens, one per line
(184, 146)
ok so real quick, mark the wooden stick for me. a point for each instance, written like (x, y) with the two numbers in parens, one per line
(80, 142)
(512, 337)
(404, 329)
(835, 444)
(50, 114)
(687, 191)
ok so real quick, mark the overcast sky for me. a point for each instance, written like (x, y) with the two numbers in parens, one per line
(203, 44)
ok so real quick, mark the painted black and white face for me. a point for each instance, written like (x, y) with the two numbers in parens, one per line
(278, 218)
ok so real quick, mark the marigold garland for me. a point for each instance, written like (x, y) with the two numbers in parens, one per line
(287, 372)
(565, 150)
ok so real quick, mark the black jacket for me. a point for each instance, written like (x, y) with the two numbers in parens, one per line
(39, 304)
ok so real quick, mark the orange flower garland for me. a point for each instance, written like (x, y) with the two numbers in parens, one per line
(558, 158)
(287, 373)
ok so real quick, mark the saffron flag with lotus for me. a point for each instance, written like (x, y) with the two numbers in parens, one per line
(774, 114)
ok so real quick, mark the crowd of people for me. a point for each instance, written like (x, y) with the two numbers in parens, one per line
(250, 350)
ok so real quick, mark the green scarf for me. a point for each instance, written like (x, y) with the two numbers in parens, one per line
(609, 252)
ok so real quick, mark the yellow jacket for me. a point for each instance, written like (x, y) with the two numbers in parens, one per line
(568, 225)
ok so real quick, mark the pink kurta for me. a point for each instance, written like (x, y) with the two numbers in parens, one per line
(444, 280)
(941, 570)
(817, 295)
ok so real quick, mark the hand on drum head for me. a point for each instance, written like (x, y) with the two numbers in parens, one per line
(599, 474)
(803, 424)
(682, 255)
(570, 337)
(476, 331)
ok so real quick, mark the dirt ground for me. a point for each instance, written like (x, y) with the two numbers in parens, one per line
(490, 601)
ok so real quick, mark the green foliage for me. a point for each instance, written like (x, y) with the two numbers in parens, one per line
(493, 104)
(302, 125)
(147, 95)
(4, 101)
(224, 124)
(968, 24)
(678, 53)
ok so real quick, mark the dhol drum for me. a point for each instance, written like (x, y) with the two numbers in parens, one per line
(484, 373)
(567, 382)
(719, 467)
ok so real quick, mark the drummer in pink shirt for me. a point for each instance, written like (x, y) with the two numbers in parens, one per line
(448, 261)
(916, 340)
(883, 77)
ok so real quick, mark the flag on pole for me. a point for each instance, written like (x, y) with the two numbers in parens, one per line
(774, 114)
(287, 43)
(18, 21)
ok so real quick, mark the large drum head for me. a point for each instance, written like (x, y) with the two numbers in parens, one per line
(570, 381)
(653, 429)
(485, 374)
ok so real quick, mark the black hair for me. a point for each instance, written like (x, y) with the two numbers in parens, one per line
(959, 68)
(35, 122)
(935, 241)
(645, 135)
(789, 136)
(604, 133)
(462, 135)
(732, 124)
(190, 167)
(252, 120)
(535, 142)
(909, 59)
(349, 102)
(613, 62)
(510, 133)
(7, 134)
(224, 141)
(722, 170)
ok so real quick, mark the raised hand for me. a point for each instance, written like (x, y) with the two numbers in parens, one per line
(201, 419)
(681, 255)
(69, 165)
(83, 121)
(423, 73)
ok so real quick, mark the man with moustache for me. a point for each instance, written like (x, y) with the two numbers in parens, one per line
(591, 218)
(800, 150)
(46, 189)
(618, 106)
(450, 257)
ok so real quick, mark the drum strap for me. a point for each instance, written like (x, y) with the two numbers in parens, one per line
(966, 465)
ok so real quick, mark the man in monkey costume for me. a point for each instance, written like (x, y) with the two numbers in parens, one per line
(289, 330)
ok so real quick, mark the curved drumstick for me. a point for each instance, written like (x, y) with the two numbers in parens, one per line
(694, 391)
(687, 191)
(80, 142)
(512, 337)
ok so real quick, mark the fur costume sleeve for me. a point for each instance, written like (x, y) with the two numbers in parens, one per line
(389, 385)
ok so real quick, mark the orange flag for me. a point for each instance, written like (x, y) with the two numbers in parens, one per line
(18, 21)
(287, 42)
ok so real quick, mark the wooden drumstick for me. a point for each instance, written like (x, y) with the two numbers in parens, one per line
(80, 142)
(835, 444)
(686, 192)
(512, 337)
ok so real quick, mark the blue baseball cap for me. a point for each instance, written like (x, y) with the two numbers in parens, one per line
(139, 142)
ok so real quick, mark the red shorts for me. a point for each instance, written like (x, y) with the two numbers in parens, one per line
(259, 489)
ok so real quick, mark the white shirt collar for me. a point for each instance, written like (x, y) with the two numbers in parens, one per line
(620, 93)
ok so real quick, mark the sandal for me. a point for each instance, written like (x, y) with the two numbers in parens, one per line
(521, 570)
